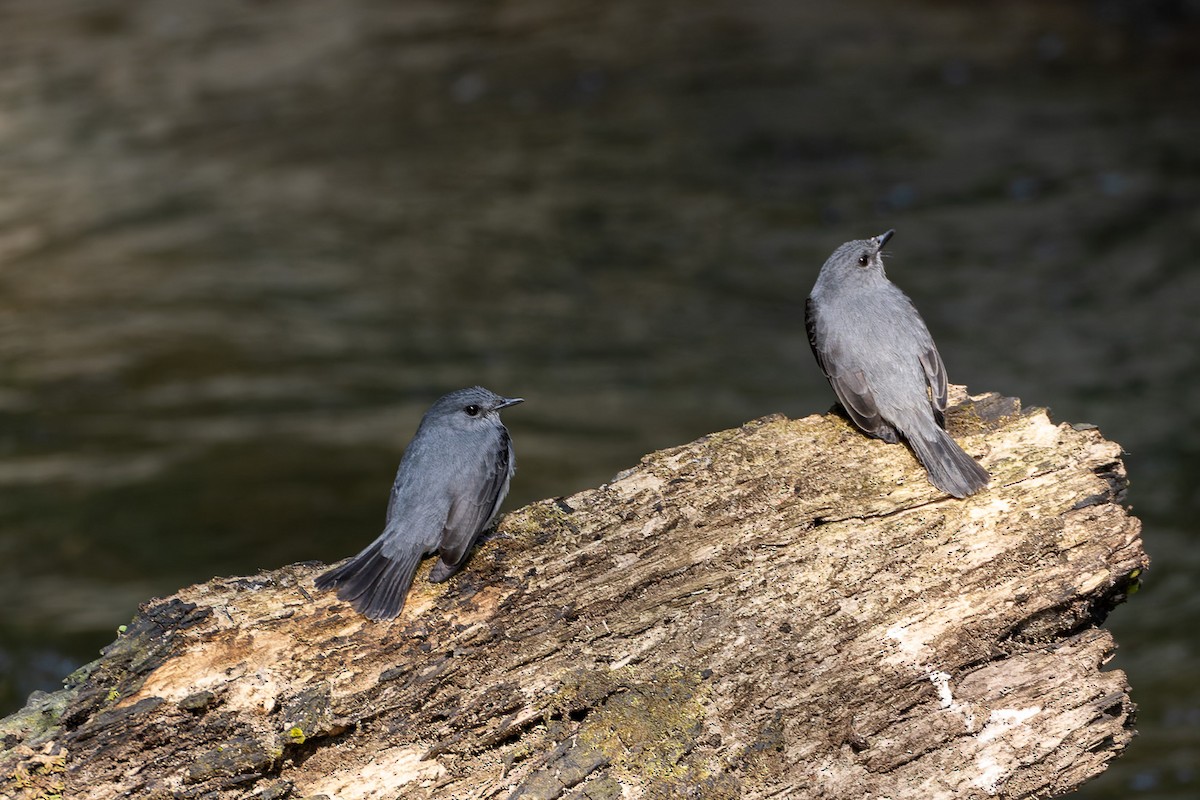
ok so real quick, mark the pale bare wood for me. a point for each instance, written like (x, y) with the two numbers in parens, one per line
(787, 609)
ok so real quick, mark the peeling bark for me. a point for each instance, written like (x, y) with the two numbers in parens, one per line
(787, 609)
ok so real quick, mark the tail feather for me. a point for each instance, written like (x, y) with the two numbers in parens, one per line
(374, 583)
(950, 468)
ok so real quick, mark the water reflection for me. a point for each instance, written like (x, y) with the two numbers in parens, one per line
(243, 248)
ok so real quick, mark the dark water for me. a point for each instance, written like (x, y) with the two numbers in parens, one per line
(243, 245)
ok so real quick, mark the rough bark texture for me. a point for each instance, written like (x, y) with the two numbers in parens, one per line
(787, 609)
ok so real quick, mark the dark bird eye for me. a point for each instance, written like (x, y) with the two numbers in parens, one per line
(864, 259)
(472, 410)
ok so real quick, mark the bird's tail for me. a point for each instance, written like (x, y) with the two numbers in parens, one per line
(374, 583)
(950, 468)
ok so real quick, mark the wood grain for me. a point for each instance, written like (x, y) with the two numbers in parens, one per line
(787, 609)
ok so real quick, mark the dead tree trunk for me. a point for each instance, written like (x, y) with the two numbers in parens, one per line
(787, 609)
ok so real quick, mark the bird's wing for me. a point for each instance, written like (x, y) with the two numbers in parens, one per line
(935, 377)
(931, 364)
(471, 512)
(850, 385)
(416, 512)
(810, 325)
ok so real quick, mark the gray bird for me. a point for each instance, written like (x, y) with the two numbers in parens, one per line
(448, 488)
(882, 363)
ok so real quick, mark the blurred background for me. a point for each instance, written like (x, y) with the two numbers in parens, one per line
(244, 245)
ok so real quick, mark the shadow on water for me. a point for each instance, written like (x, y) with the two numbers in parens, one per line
(244, 246)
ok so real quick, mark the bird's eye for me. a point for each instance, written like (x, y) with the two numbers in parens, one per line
(864, 259)
(472, 410)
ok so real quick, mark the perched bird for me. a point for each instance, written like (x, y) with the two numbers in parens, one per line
(448, 488)
(882, 363)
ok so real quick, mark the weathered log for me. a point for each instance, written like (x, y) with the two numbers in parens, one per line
(787, 609)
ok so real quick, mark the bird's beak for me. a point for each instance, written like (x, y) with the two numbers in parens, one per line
(883, 237)
(510, 401)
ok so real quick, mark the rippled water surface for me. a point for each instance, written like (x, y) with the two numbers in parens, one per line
(244, 245)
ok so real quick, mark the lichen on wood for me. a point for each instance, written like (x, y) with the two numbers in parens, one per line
(783, 609)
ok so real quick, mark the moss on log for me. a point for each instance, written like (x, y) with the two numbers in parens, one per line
(785, 609)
